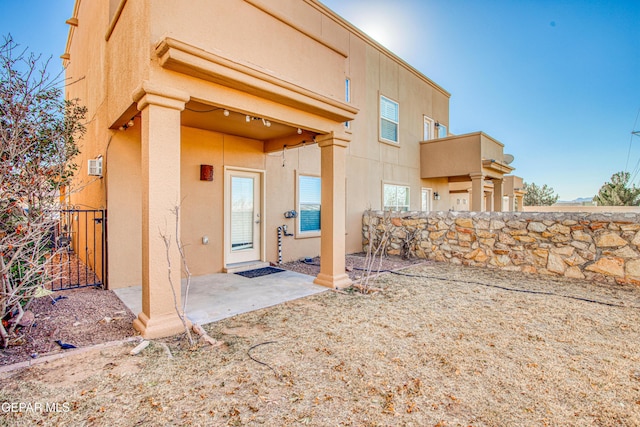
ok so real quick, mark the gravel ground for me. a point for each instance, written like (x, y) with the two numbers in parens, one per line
(440, 345)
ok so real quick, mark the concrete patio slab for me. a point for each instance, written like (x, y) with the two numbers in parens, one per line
(218, 296)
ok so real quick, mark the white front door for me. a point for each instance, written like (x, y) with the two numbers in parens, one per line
(243, 216)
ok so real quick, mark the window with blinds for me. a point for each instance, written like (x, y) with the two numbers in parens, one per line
(242, 213)
(389, 119)
(309, 203)
(396, 197)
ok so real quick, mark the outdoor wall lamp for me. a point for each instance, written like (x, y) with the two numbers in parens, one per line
(436, 196)
(127, 125)
(206, 172)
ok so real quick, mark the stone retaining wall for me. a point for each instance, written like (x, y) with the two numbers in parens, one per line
(603, 247)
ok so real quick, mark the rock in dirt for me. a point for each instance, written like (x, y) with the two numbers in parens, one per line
(144, 344)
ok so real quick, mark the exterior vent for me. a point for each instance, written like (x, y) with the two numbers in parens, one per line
(95, 167)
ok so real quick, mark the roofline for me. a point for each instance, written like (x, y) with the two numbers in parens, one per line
(73, 23)
(314, 3)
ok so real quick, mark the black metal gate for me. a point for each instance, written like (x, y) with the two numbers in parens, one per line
(80, 255)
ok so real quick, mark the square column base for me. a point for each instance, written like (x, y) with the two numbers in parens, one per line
(161, 326)
(340, 281)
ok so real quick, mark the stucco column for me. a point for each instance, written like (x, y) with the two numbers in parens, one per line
(477, 192)
(497, 195)
(160, 142)
(488, 201)
(511, 202)
(332, 220)
(519, 205)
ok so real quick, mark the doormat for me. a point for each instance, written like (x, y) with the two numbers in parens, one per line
(259, 272)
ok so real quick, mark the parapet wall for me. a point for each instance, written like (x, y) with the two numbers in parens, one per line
(603, 247)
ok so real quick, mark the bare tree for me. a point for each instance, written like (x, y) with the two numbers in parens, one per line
(38, 134)
(181, 311)
(378, 235)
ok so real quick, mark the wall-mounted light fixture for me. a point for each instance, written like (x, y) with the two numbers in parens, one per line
(436, 196)
(206, 172)
(129, 124)
(226, 113)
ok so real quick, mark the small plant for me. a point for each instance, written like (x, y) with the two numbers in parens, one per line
(181, 311)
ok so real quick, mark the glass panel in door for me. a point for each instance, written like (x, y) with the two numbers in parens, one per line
(242, 213)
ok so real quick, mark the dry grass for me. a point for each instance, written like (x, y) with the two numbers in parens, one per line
(445, 349)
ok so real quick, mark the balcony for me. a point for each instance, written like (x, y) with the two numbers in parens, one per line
(459, 157)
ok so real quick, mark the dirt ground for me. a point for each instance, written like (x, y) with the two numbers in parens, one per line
(440, 346)
(80, 317)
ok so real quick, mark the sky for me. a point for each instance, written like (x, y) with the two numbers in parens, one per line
(556, 81)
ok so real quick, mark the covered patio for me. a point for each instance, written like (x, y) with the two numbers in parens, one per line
(218, 296)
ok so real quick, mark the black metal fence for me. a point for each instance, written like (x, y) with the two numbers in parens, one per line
(80, 243)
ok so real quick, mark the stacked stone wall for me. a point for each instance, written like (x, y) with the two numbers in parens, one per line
(603, 247)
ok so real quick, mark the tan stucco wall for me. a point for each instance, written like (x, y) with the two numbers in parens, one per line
(316, 56)
(125, 208)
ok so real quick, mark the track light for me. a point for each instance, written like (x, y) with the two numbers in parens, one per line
(131, 123)
(248, 118)
(226, 113)
(299, 131)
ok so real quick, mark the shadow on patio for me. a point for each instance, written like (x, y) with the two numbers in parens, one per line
(218, 296)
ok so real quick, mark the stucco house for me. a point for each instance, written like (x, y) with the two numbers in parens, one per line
(252, 115)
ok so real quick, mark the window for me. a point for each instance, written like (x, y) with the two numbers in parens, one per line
(308, 203)
(442, 130)
(427, 132)
(347, 90)
(396, 197)
(347, 97)
(389, 117)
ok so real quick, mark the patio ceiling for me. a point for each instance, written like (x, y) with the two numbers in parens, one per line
(208, 117)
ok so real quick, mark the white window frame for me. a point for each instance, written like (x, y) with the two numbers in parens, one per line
(308, 233)
(442, 131)
(426, 195)
(396, 206)
(428, 128)
(395, 122)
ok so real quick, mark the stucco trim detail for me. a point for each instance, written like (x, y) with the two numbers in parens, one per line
(184, 58)
(150, 93)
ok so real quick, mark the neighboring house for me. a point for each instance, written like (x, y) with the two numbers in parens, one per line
(242, 111)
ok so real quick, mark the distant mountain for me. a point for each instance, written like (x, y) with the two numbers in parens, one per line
(578, 201)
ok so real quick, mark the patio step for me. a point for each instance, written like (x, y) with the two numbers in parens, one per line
(245, 266)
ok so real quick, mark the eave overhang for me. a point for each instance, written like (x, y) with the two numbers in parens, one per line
(186, 59)
(497, 166)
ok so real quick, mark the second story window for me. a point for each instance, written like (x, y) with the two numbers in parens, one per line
(389, 119)
(441, 130)
(347, 90)
(347, 97)
(427, 132)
